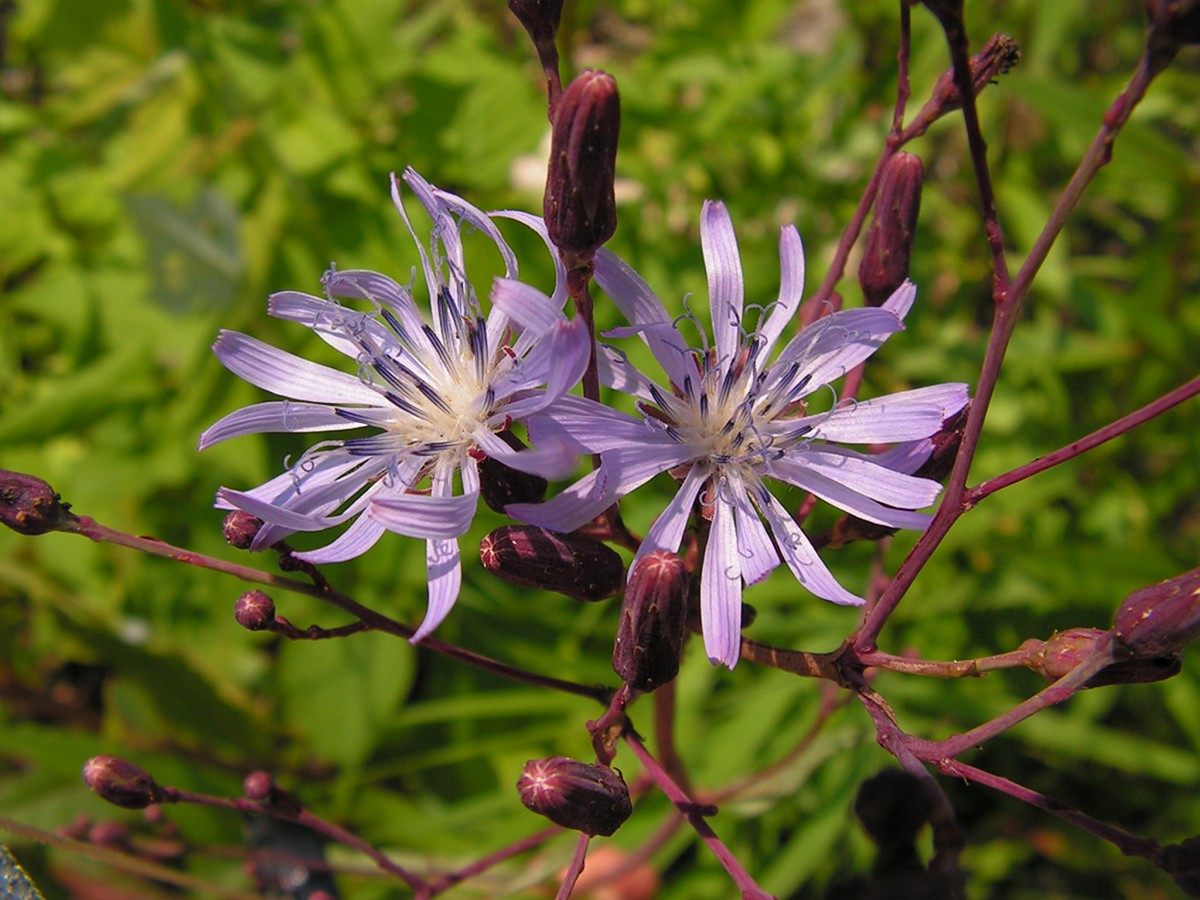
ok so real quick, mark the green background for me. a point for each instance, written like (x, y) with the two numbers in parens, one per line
(167, 165)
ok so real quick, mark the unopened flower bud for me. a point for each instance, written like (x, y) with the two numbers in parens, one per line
(501, 485)
(653, 622)
(945, 446)
(570, 564)
(120, 782)
(589, 798)
(29, 505)
(893, 806)
(258, 786)
(997, 57)
(888, 247)
(1064, 651)
(240, 528)
(1160, 619)
(580, 207)
(254, 611)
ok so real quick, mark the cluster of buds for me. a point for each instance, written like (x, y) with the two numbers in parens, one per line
(570, 564)
(582, 796)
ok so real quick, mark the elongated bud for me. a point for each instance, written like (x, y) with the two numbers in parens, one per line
(120, 782)
(569, 564)
(1067, 649)
(254, 611)
(500, 485)
(585, 797)
(240, 529)
(997, 57)
(888, 247)
(1160, 619)
(579, 206)
(653, 622)
(29, 505)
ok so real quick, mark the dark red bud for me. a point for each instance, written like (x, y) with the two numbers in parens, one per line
(893, 806)
(254, 611)
(888, 247)
(945, 446)
(120, 782)
(501, 485)
(1161, 619)
(570, 564)
(580, 207)
(29, 505)
(653, 622)
(588, 798)
(240, 528)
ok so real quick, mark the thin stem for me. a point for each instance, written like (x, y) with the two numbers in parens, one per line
(664, 734)
(94, 531)
(450, 879)
(1081, 446)
(575, 869)
(964, 668)
(1129, 844)
(695, 815)
(798, 662)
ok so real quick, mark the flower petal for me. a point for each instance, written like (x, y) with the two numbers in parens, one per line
(418, 515)
(667, 531)
(791, 288)
(721, 589)
(797, 551)
(445, 580)
(287, 375)
(525, 305)
(756, 554)
(356, 540)
(275, 416)
(724, 268)
(904, 416)
(858, 474)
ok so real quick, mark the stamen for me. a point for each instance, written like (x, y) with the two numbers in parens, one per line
(434, 397)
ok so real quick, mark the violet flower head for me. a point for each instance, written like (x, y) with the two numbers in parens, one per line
(436, 389)
(731, 418)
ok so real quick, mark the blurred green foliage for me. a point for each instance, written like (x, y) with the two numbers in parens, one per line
(166, 165)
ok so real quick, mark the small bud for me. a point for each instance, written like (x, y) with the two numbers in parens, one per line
(653, 622)
(588, 798)
(254, 611)
(997, 57)
(258, 786)
(240, 528)
(893, 806)
(500, 485)
(570, 564)
(888, 247)
(579, 206)
(29, 505)
(109, 834)
(540, 18)
(1160, 619)
(121, 783)
(1064, 651)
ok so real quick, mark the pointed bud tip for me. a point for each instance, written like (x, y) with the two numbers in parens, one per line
(585, 797)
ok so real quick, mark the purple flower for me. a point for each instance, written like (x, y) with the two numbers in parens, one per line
(732, 418)
(436, 390)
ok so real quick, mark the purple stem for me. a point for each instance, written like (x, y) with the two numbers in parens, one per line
(575, 869)
(450, 879)
(93, 530)
(695, 813)
(300, 816)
